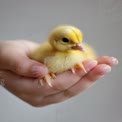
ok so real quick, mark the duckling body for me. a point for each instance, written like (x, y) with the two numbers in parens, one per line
(63, 61)
(63, 51)
(59, 61)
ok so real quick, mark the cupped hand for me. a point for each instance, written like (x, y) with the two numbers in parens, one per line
(23, 83)
(14, 56)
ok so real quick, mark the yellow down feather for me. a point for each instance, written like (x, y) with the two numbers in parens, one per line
(59, 53)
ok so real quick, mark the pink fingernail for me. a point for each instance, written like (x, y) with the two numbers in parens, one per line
(38, 71)
(106, 68)
(114, 60)
(91, 64)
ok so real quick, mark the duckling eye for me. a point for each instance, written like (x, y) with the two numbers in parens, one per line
(65, 40)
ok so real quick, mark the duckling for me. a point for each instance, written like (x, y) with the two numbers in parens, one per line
(64, 50)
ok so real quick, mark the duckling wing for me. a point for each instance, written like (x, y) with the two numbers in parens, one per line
(41, 52)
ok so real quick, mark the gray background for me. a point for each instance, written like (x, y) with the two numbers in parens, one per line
(101, 23)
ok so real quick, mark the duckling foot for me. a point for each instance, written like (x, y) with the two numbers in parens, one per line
(53, 75)
(47, 79)
(73, 70)
(78, 66)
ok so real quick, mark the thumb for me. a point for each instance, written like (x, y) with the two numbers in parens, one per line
(31, 68)
(25, 66)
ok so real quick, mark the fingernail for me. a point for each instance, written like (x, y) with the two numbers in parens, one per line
(39, 71)
(91, 65)
(114, 60)
(106, 68)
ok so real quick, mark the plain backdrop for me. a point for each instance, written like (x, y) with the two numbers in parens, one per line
(101, 23)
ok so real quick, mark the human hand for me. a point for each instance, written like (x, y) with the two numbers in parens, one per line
(65, 86)
(14, 57)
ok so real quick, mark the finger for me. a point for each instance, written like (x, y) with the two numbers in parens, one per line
(27, 89)
(86, 82)
(111, 61)
(67, 79)
(17, 84)
(63, 81)
(89, 79)
(32, 86)
(24, 66)
(51, 99)
(30, 68)
(14, 57)
(23, 87)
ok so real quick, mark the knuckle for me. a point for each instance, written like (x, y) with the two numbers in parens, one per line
(17, 67)
(91, 78)
(69, 93)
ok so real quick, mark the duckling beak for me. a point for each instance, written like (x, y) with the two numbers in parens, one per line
(78, 47)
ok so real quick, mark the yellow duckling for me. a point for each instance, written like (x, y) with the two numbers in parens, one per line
(63, 51)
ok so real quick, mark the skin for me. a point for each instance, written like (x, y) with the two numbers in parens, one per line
(20, 74)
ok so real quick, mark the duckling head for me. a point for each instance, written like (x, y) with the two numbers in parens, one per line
(66, 37)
